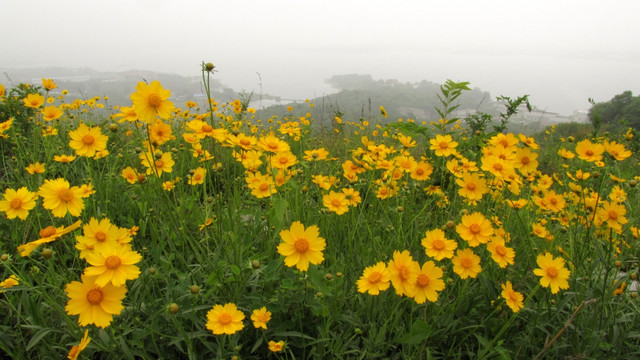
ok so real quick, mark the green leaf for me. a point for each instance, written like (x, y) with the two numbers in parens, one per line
(37, 338)
(234, 269)
(420, 330)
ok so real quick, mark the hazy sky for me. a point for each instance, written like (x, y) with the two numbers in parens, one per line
(561, 52)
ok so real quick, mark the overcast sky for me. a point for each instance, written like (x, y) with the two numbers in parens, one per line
(561, 52)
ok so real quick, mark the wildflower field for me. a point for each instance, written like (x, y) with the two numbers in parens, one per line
(199, 231)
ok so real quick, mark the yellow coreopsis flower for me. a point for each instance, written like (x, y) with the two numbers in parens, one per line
(51, 113)
(466, 264)
(276, 346)
(87, 140)
(113, 264)
(272, 144)
(35, 168)
(160, 132)
(61, 198)
(422, 171)
(500, 253)
(443, 145)
(404, 273)
(472, 186)
(64, 158)
(11, 281)
(76, 349)
(17, 203)
(130, 175)
(96, 236)
(336, 202)
(612, 214)
(95, 304)
(33, 101)
(225, 319)
(283, 160)
(475, 229)
(375, 278)
(437, 245)
(589, 151)
(261, 317)
(513, 298)
(157, 164)
(49, 84)
(552, 272)
(428, 283)
(47, 235)
(261, 185)
(151, 101)
(198, 176)
(316, 154)
(301, 246)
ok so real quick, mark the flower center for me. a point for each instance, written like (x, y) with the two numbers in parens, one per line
(94, 296)
(589, 152)
(404, 272)
(48, 231)
(438, 244)
(374, 277)
(283, 160)
(474, 228)
(423, 280)
(471, 186)
(302, 245)
(225, 319)
(336, 202)
(525, 160)
(65, 195)
(112, 262)
(154, 100)
(466, 262)
(88, 139)
(245, 142)
(16, 203)
(419, 171)
(552, 271)
(264, 187)
(613, 215)
(500, 250)
(497, 166)
(101, 236)
(443, 145)
(159, 163)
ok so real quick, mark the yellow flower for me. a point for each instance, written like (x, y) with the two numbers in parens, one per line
(316, 154)
(422, 171)
(33, 101)
(59, 197)
(151, 101)
(301, 246)
(283, 160)
(443, 145)
(475, 229)
(113, 264)
(35, 168)
(428, 283)
(261, 185)
(566, 153)
(383, 112)
(437, 245)
(612, 214)
(472, 186)
(336, 202)
(276, 346)
(64, 158)
(96, 236)
(225, 319)
(47, 235)
(157, 164)
(552, 272)
(11, 281)
(618, 151)
(2, 91)
(588, 151)
(17, 203)
(49, 84)
(127, 114)
(272, 144)
(130, 175)
(160, 133)
(51, 113)
(404, 273)
(95, 304)
(87, 140)
(374, 279)
(499, 253)
(198, 176)
(352, 196)
(466, 264)
(76, 349)
(513, 298)
(261, 317)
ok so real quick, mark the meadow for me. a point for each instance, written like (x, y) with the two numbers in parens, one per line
(200, 231)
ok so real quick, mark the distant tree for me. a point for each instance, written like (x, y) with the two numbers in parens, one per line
(622, 108)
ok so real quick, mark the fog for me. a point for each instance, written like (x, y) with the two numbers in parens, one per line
(559, 52)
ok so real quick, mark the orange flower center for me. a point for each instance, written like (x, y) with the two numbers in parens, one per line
(16, 203)
(283, 160)
(524, 160)
(404, 272)
(466, 262)
(245, 142)
(552, 271)
(419, 171)
(443, 145)
(500, 250)
(225, 319)
(159, 163)
(589, 152)
(374, 277)
(302, 245)
(48, 231)
(336, 202)
(94, 296)
(553, 201)
(423, 280)
(497, 166)
(272, 145)
(471, 186)
(112, 262)
(264, 187)
(613, 215)
(475, 228)
(88, 139)
(101, 236)
(154, 100)
(65, 195)
(438, 244)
